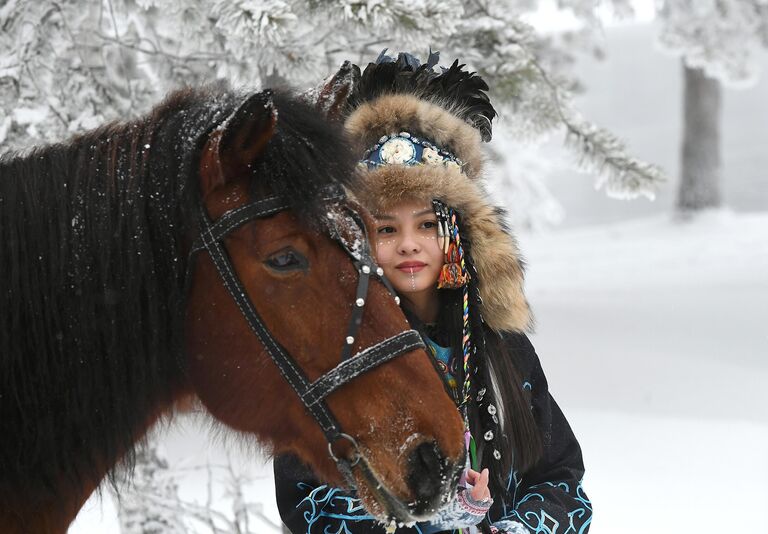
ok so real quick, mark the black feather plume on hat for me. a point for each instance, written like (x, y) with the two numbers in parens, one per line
(462, 92)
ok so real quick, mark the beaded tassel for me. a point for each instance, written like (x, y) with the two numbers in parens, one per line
(454, 273)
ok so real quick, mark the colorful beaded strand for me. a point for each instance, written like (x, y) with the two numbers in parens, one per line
(466, 341)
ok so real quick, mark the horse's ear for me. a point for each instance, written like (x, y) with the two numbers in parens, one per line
(330, 97)
(246, 132)
(232, 148)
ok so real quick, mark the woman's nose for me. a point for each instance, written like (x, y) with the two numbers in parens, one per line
(408, 244)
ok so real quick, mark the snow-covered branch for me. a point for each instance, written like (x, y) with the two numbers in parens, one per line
(69, 65)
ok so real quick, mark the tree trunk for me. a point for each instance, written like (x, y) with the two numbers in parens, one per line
(700, 174)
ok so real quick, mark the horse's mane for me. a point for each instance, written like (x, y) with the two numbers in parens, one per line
(92, 239)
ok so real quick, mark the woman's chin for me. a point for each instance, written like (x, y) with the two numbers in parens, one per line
(413, 289)
(406, 283)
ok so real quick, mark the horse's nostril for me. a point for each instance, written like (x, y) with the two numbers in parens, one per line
(426, 473)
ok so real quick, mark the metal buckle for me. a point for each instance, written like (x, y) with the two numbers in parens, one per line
(354, 446)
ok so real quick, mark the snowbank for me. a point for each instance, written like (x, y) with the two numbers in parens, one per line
(653, 334)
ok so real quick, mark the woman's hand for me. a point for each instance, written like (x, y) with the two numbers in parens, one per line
(479, 482)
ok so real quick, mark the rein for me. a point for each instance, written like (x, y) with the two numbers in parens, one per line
(312, 394)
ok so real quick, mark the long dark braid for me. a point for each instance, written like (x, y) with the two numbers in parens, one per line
(500, 420)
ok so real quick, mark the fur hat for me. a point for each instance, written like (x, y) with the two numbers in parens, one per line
(449, 114)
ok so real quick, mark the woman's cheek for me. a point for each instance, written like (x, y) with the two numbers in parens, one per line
(385, 251)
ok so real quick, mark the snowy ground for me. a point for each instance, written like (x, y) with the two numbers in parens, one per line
(653, 335)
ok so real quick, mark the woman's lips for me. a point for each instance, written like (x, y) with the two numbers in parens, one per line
(410, 267)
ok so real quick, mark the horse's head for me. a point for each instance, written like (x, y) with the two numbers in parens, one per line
(392, 425)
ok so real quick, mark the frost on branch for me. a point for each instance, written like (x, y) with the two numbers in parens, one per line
(137, 511)
(722, 37)
(150, 503)
(621, 175)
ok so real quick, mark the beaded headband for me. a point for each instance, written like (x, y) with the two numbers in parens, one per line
(406, 149)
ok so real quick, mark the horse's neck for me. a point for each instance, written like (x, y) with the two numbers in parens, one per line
(42, 516)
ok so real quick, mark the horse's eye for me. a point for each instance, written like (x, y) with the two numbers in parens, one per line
(287, 259)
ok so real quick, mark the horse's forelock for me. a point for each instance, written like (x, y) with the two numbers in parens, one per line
(306, 155)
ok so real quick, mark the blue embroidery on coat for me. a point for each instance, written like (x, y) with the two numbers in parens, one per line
(540, 522)
(512, 479)
(323, 497)
(345, 508)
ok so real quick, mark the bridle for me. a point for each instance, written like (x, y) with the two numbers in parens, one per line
(312, 394)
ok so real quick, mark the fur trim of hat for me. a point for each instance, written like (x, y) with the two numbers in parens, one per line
(391, 114)
(455, 115)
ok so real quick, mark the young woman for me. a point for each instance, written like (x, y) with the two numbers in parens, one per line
(447, 252)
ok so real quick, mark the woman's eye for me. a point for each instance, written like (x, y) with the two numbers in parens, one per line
(286, 260)
(429, 224)
(385, 230)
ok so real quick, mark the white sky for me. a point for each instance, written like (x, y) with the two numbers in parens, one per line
(550, 19)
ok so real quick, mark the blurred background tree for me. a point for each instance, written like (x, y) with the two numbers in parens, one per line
(719, 43)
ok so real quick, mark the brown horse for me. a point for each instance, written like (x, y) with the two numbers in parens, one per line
(132, 262)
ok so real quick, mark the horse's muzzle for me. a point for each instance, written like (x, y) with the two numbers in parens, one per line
(431, 479)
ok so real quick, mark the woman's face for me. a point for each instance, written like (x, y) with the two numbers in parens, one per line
(407, 247)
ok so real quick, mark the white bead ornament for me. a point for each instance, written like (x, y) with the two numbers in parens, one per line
(350, 340)
(397, 151)
(366, 269)
(360, 302)
(431, 157)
